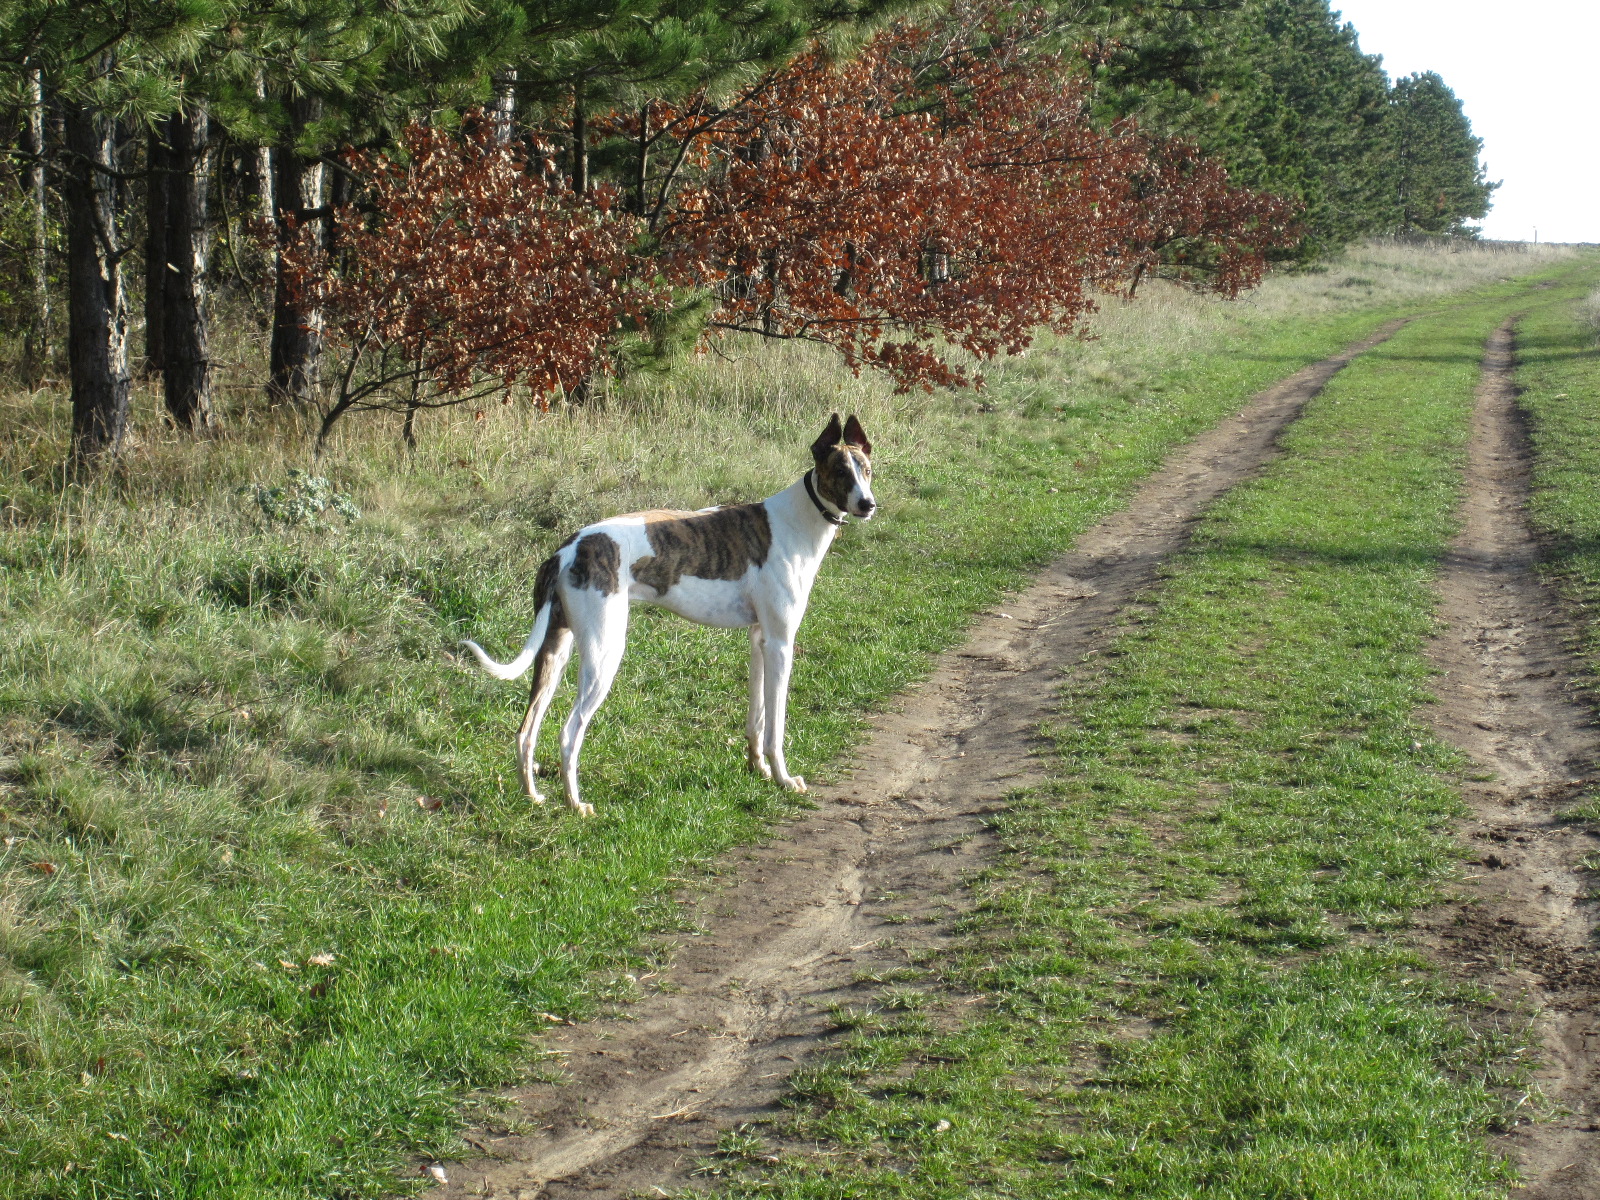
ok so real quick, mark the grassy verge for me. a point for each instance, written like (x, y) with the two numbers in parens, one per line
(269, 901)
(1558, 380)
(1558, 377)
(1188, 976)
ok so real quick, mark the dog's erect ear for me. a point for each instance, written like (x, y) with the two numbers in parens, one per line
(854, 435)
(831, 437)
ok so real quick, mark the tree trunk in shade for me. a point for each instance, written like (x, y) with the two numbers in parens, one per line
(580, 141)
(186, 364)
(97, 310)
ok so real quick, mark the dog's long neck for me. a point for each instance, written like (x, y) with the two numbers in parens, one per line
(801, 519)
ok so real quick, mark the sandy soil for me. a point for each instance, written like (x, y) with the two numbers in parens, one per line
(1526, 928)
(870, 878)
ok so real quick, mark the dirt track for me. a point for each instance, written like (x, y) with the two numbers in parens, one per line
(820, 906)
(1504, 698)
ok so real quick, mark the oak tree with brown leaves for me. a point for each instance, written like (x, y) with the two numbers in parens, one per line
(459, 273)
(862, 206)
(921, 198)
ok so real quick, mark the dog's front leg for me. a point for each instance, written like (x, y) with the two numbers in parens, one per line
(755, 723)
(777, 661)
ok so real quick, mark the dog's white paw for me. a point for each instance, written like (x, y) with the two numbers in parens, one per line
(584, 809)
(795, 783)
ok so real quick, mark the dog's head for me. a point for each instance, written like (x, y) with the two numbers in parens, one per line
(844, 467)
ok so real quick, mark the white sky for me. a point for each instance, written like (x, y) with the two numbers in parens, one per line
(1527, 74)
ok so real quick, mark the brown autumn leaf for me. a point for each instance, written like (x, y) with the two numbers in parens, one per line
(44, 868)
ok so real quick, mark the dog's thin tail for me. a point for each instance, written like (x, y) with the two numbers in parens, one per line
(544, 595)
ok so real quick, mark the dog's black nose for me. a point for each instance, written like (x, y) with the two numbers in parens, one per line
(867, 506)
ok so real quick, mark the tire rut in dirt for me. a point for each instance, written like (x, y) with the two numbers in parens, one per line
(1527, 928)
(845, 895)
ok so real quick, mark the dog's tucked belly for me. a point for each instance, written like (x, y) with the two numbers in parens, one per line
(718, 602)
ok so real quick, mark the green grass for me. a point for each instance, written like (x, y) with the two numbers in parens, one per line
(1188, 974)
(214, 734)
(1558, 378)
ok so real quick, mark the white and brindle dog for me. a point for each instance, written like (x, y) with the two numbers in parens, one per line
(745, 565)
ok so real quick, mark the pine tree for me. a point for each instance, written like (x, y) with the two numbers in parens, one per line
(186, 363)
(97, 309)
(93, 61)
(1277, 90)
(1438, 184)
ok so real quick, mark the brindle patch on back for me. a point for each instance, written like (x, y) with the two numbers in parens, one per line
(723, 544)
(835, 477)
(596, 563)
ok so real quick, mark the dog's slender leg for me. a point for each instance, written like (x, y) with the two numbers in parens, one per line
(548, 668)
(755, 723)
(779, 659)
(601, 640)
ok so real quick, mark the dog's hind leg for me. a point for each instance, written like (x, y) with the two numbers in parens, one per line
(602, 634)
(755, 724)
(548, 667)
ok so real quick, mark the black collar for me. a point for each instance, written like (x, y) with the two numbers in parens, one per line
(812, 492)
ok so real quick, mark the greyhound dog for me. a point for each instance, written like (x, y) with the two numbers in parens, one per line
(748, 565)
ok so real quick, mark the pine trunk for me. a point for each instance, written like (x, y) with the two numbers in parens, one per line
(503, 113)
(642, 162)
(296, 329)
(580, 142)
(36, 333)
(97, 311)
(157, 225)
(187, 360)
(262, 182)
